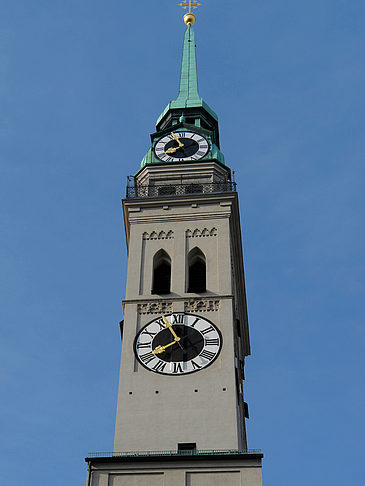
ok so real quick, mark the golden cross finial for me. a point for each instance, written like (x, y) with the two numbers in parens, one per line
(189, 18)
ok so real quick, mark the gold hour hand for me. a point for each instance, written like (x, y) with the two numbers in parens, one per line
(171, 150)
(160, 349)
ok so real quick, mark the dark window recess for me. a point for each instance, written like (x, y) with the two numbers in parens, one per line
(191, 121)
(245, 410)
(121, 327)
(238, 324)
(194, 188)
(242, 368)
(197, 271)
(187, 447)
(204, 124)
(166, 190)
(161, 273)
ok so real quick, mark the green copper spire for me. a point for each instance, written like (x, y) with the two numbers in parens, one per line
(188, 112)
(188, 96)
(188, 90)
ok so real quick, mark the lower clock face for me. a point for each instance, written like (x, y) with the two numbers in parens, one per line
(181, 146)
(178, 344)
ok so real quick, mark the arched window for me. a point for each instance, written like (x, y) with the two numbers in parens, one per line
(161, 280)
(197, 271)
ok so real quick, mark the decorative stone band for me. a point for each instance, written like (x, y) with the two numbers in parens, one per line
(191, 305)
(162, 235)
(201, 233)
(202, 305)
(155, 308)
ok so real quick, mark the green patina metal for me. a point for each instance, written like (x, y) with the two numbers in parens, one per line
(189, 76)
(147, 159)
(188, 96)
(150, 157)
(217, 154)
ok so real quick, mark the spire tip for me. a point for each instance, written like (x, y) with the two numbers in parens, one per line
(189, 17)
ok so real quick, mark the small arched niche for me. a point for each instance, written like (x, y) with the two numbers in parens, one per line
(197, 276)
(161, 280)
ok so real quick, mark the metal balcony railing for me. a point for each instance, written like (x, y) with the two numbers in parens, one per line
(214, 452)
(135, 190)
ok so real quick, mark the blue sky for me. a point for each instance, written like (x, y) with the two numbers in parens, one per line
(82, 83)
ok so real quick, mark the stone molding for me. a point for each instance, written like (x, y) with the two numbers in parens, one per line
(202, 305)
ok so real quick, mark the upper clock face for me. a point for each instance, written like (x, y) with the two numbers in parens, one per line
(181, 146)
(178, 344)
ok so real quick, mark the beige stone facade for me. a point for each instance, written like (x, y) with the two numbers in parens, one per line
(205, 408)
(156, 412)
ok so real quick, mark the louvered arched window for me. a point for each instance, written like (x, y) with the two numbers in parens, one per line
(161, 280)
(197, 271)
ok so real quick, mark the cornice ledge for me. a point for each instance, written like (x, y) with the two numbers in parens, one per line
(177, 217)
(180, 200)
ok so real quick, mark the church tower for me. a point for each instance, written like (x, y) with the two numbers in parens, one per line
(181, 410)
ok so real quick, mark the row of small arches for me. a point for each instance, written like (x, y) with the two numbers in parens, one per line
(201, 233)
(162, 235)
(197, 272)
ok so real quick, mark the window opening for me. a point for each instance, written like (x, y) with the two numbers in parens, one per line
(238, 326)
(161, 273)
(197, 271)
(186, 448)
(245, 410)
(205, 125)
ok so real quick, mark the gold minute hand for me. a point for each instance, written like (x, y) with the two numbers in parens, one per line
(177, 139)
(169, 325)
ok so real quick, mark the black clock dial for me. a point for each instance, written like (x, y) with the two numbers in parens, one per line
(190, 147)
(181, 146)
(178, 344)
(190, 345)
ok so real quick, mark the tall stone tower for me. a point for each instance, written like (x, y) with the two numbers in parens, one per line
(181, 410)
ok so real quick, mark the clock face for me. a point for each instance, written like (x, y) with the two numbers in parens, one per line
(178, 344)
(181, 146)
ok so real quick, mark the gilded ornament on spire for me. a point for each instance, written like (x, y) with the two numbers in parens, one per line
(189, 17)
